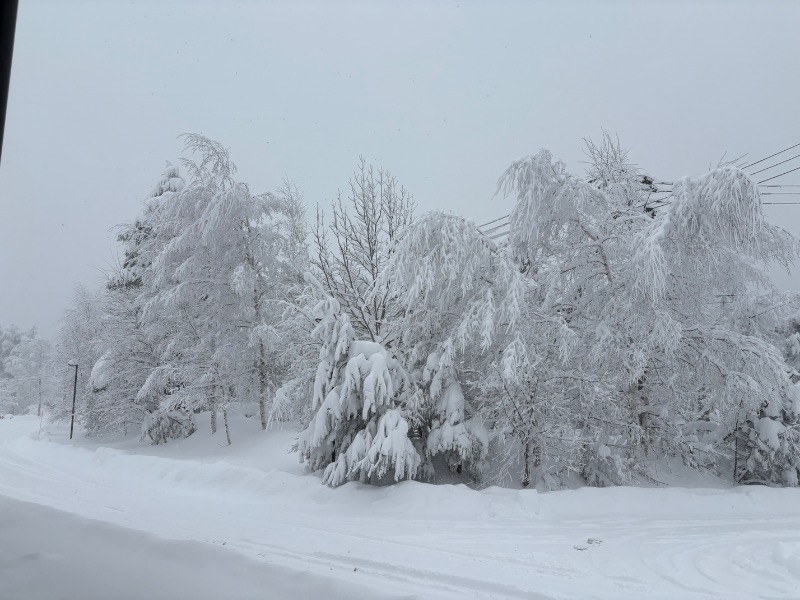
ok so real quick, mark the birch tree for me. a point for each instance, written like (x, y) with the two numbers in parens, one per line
(219, 277)
(595, 338)
(351, 250)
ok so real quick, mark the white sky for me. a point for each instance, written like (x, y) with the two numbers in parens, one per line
(443, 94)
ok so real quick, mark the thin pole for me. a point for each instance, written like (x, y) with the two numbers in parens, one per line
(74, 393)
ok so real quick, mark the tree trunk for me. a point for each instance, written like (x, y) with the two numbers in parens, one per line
(225, 420)
(213, 405)
(526, 469)
(225, 414)
(639, 413)
(262, 385)
(644, 416)
(262, 362)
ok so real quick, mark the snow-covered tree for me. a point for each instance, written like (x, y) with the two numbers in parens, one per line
(189, 321)
(25, 370)
(130, 349)
(78, 340)
(10, 339)
(715, 243)
(641, 296)
(609, 331)
(359, 430)
(219, 280)
(610, 170)
(444, 275)
(128, 357)
(350, 252)
(595, 339)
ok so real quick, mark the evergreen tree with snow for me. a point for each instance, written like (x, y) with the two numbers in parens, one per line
(130, 348)
(359, 430)
(443, 274)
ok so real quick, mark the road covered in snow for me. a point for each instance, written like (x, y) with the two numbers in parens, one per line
(47, 554)
(251, 512)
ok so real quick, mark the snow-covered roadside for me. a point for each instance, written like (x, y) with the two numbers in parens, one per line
(47, 554)
(413, 538)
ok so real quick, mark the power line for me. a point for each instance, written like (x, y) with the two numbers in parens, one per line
(780, 175)
(770, 156)
(495, 221)
(506, 219)
(495, 231)
(775, 165)
(770, 186)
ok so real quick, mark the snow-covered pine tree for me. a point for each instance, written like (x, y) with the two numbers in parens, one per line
(359, 430)
(445, 276)
(130, 347)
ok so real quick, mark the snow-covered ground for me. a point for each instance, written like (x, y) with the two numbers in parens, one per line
(249, 521)
(47, 554)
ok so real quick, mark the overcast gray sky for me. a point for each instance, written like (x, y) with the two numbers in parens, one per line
(443, 94)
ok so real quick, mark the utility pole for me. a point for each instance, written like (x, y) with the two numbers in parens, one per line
(73, 363)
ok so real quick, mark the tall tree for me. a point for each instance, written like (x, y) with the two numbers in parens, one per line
(131, 348)
(220, 278)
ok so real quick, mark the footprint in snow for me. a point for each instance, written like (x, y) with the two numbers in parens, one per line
(594, 541)
(590, 541)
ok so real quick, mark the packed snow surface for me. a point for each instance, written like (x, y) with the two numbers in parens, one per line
(48, 554)
(198, 519)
